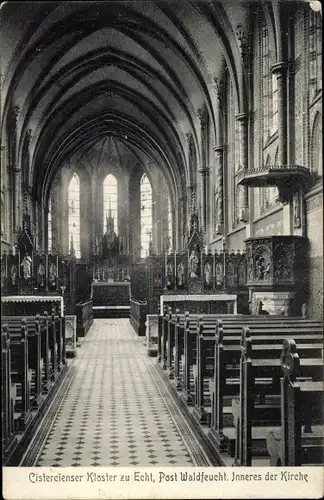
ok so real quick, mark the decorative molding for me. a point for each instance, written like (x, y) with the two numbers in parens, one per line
(219, 86)
(15, 113)
(28, 137)
(242, 39)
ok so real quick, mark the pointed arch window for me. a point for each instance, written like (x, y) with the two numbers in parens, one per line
(110, 201)
(49, 227)
(146, 215)
(74, 214)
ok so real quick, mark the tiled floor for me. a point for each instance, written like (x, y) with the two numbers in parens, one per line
(113, 413)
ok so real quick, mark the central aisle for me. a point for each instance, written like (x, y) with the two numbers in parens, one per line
(113, 413)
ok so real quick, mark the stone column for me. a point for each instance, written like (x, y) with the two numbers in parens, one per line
(184, 221)
(204, 173)
(242, 120)
(280, 72)
(16, 177)
(45, 227)
(219, 208)
(204, 170)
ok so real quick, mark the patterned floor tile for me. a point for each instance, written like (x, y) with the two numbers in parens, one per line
(113, 413)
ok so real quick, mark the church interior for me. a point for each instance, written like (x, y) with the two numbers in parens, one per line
(161, 233)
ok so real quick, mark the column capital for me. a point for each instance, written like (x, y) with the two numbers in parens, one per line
(204, 171)
(279, 68)
(242, 117)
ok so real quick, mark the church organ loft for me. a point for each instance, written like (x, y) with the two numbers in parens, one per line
(161, 217)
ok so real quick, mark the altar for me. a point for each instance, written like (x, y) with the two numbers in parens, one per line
(110, 298)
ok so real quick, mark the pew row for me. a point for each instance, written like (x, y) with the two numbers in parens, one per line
(257, 410)
(300, 440)
(203, 355)
(33, 356)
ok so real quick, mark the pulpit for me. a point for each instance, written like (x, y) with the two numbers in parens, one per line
(277, 273)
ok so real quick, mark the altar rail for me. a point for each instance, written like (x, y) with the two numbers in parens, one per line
(84, 314)
(137, 315)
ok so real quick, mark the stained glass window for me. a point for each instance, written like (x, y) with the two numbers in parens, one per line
(110, 201)
(74, 214)
(146, 215)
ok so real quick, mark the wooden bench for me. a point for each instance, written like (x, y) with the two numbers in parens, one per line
(20, 373)
(225, 384)
(58, 322)
(258, 407)
(208, 325)
(8, 396)
(180, 326)
(35, 363)
(300, 440)
(203, 371)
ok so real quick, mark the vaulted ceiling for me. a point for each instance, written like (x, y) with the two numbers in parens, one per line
(136, 71)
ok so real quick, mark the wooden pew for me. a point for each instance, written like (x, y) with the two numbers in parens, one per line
(301, 437)
(34, 351)
(180, 327)
(203, 371)
(167, 316)
(258, 406)
(208, 324)
(8, 396)
(59, 327)
(170, 342)
(225, 384)
(53, 348)
(20, 374)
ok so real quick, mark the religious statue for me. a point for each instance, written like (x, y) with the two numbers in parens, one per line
(26, 266)
(3, 274)
(231, 281)
(41, 273)
(241, 274)
(110, 241)
(193, 264)
(262, 269)
(13, 274)
(180, 273)
(52, 273)
(169, 274)
(208, 273)
(219, 274)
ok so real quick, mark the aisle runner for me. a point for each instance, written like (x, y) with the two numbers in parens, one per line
(113, 414)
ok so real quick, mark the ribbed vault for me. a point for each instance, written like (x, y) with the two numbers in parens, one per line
(139, 72)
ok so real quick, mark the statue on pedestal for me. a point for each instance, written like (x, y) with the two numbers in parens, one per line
(26, 266)
(193, 264)
(110, 241)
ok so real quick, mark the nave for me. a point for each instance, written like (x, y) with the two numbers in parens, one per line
(116, 411)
